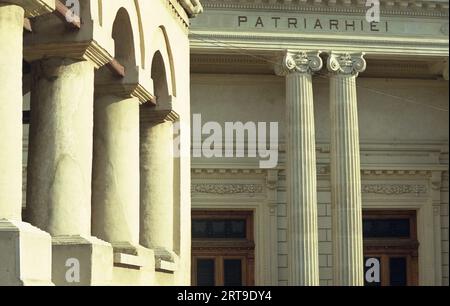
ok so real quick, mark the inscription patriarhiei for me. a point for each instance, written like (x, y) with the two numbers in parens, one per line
(371, 22)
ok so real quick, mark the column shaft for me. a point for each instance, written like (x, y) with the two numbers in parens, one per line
(301, 179)
(115, 191)
(60, 149)
(346, 182)
(156, 229)
(11, 46)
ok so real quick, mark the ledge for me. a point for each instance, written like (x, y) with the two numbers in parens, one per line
(165, 266)
(122, 259)
(165, 261)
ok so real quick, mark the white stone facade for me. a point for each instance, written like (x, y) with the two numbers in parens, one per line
(366, 105)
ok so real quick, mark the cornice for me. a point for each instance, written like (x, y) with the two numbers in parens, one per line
(373, 46)
(85, 50)
(178, 12)
(192, 7)
(263, 64)
(184, 9)
(322, 169)
(132, 90)
(421, 8)
(232, 171)
(34, 8)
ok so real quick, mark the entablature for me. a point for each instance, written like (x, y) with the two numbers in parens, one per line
(405, 28)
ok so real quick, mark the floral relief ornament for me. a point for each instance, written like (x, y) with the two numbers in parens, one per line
(300, 62)
(347, 63)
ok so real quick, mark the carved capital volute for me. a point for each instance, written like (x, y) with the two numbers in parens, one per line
(299, 62)
(350, 64)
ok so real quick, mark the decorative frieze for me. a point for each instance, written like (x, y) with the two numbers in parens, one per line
(394, 189)
(225, 188)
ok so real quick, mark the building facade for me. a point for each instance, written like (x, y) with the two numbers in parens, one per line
(263, 142)
(107, 199)
(362, 113)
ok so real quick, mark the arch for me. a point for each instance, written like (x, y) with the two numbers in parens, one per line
(122, 34)
(107, 14)
(100, 12)
(161, 46)
(141, 32)
(159, 76)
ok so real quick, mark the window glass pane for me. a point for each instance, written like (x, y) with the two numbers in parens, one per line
(372, 271)
(205, 272)
(398, 271)
(232, 272)
(218, 228)
(388, 228)
(237, 228)
(26, 117)
(209, 228)
(199, 228)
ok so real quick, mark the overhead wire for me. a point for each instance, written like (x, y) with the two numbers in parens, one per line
(242, 51)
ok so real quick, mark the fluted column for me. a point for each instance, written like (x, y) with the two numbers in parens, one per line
(115, 185)
(60, 149)
(303, 252)
(345, 169)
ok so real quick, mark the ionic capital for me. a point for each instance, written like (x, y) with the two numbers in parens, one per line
(346, 63)
(299, 62)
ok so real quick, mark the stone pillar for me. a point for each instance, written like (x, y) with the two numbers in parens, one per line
(345, 169)
(60, 149)
(115, 185)
(11, 31)
(157, 166)
(60, 167)
(303, 255)
(25, 251)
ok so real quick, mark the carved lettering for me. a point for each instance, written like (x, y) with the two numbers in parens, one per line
(311, 24)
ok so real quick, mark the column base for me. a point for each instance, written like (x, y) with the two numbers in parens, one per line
(25, 255)
(81, 261)
(165, 260)
(128, 255)
(133, 265)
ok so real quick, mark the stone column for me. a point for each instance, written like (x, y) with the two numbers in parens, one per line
(25, 251)
(115, 185)
(60, 149)
(345, 169)
(11, 31)
(60, 167)
(303, 255)
(157, 178)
